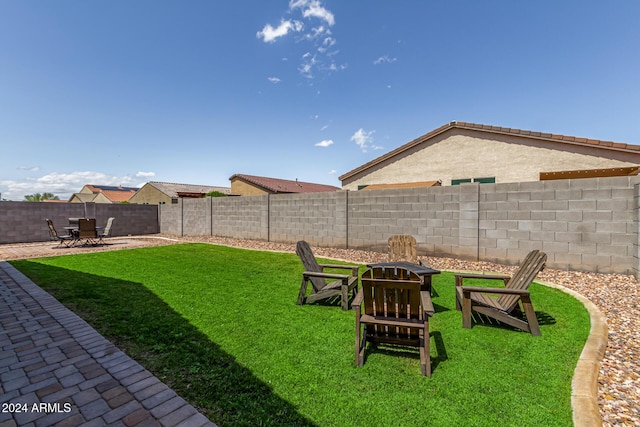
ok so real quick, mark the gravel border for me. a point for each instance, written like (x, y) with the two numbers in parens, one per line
(615, 296)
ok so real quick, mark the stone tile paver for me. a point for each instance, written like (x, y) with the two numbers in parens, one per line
(55, 369)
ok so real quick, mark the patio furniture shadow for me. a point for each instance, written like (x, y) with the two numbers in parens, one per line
(148, 330)
(482, 320)
(414, 353)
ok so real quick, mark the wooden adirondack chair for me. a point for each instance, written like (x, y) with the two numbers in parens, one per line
(503, 308)
(396, 311)
(403, 247)
(341, 286)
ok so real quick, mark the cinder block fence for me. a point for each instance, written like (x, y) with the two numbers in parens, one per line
(582, 224)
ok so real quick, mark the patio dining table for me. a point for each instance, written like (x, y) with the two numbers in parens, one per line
(423, 271)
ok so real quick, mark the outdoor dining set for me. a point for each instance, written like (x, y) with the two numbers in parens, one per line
(81, 232)
(393, 304)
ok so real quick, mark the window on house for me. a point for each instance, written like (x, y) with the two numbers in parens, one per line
(486, 180)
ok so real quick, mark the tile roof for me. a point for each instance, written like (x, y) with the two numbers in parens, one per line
(571, 140)
(172, 189)
(114, 193)
(276, 185)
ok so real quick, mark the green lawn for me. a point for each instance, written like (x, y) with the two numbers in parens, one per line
(221, 327)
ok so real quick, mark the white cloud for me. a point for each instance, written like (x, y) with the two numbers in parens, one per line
(274, 80)
(333, 172)
(324, 143)
(385, 59)
(313, 8)
(145, 174)
(269, 34)
(318, 34)
(62, 185)
(363, 139)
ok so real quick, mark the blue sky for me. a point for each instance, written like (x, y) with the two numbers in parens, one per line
(125, 92)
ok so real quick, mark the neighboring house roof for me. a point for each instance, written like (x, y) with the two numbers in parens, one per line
(275, 185)
(404, 185)
(569, 140)
(174, 190)
(114, 194)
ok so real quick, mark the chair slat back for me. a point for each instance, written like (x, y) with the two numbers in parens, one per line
(87, 228)
(403, 247)
(303, 250)
(533, 263)
(107, 229)
(391, 293)
(52, 230)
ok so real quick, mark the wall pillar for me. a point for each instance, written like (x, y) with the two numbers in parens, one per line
(468, 238)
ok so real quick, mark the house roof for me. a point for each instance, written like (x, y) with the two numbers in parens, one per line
(174, 190)
(276, 185)
(570, 140)
(403, 185)
(115, 194)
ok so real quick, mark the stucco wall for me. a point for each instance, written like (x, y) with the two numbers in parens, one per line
(241, 188)
(151, 195)
(463, 153)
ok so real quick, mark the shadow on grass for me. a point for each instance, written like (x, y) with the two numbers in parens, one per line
(164, 342)
(483, 320)
(410, 352)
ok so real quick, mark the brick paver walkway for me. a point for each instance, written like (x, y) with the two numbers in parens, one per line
(55, 369)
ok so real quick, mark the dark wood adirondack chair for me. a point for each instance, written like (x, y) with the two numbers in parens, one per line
(321, 289)
(403, 247)
(396, 311)
(507, 305)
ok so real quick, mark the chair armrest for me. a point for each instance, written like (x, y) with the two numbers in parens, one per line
(354, 268)
(460, 276)
(357, 301)
(427, 304)
(501, 291)
(326, 275)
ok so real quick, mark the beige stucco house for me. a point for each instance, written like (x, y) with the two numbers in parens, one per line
(460, 152)
(154, 192)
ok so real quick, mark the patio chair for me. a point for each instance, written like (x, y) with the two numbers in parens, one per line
(396, 311)
(106, 231)
(66, 239)
(403, 247)
(506, 307)
(341, 286)
(87, 231)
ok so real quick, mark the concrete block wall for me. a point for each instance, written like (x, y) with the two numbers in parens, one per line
(170, 218)
(241, 217)
(196, 217)
(583, 224)
(318, 218)
(23, 222)
(432, 217)
(131, 219)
